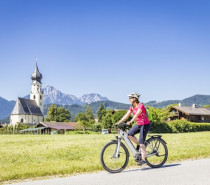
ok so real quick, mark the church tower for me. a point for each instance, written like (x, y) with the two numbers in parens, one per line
(36, 88)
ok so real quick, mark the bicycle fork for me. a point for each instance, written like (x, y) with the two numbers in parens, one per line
(117, 148)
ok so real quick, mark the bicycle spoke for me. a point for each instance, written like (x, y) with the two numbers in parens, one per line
(161, 155)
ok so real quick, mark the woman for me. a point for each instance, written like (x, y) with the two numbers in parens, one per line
(142, 127)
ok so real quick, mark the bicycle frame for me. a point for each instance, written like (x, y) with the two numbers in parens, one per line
(123, 135)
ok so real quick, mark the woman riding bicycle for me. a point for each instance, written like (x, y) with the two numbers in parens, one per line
(142, 127)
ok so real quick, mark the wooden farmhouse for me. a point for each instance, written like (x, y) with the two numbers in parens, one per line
(193, 114)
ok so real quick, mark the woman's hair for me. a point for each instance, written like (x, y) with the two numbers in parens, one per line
(136, 100)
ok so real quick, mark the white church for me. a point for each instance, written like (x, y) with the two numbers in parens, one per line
(30, 111)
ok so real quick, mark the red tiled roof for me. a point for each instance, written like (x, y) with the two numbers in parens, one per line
(61, 125)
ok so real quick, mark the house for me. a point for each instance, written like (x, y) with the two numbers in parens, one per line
(194, 113)
(61, 127)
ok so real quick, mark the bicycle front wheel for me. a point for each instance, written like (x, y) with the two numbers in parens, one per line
(156, 152)
(111, 162)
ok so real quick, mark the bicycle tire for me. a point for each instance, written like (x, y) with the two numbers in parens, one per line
(103, 162)
(149, 163)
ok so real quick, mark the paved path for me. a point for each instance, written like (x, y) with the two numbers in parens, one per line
(195, 172)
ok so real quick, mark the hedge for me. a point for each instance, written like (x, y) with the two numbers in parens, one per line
(179, 126)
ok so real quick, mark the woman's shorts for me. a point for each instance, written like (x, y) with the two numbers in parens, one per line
(142, 130)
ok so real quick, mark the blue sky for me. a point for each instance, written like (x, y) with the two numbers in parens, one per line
(158, 48)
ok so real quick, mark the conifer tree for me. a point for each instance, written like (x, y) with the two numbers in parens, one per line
(101, 112)
(89, 113)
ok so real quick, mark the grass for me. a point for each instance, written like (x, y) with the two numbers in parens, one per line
(29, 156)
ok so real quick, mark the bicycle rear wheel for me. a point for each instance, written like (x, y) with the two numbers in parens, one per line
(111, 163)
(156, 152)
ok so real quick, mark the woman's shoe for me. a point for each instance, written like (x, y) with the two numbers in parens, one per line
(141, 162)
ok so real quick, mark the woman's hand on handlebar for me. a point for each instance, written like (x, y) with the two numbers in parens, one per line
(116, 124)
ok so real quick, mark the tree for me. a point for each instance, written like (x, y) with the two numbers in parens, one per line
(58, 114)
(52, 113)
(101, 112)
(82, 118)
(89, 113)
(118, 115)
(63, 115)
(168, 108)
(107, 121)
(158, 114)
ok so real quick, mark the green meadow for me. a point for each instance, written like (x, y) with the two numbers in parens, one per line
(30, 156)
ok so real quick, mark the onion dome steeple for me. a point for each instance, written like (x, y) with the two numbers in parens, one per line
(36, 76)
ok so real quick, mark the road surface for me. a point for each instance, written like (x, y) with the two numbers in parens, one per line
(192, 172)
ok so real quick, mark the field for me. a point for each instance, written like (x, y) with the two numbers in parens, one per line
(29, 156)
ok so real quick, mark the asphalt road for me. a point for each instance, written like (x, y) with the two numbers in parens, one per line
(196, 172)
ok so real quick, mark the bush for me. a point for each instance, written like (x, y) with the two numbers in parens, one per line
(96, 127)
(161, 127)
(179, 126)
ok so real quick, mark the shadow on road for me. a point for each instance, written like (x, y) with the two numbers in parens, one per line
(149, 168)
(164, 166)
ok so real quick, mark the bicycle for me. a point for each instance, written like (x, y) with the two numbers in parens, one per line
(115, 155)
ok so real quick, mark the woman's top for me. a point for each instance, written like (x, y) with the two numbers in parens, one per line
(142, 118)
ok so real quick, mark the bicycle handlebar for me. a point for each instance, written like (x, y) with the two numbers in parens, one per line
(121, 126)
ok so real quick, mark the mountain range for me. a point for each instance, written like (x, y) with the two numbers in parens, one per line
(76, 105)
(54, 96)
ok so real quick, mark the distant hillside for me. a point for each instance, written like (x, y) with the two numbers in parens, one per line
(200, 100)
(197, 99)
(162, 104)
(75, 109)
(5, 107)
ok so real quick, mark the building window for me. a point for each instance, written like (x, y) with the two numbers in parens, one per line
(40, 97)
(34, 97)
(21, 120)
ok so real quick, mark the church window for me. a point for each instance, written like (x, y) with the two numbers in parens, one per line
(34, 97)
(40, 97)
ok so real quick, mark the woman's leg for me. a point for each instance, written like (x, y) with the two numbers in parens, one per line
(143, 133)
(134, 130)
(134, 139)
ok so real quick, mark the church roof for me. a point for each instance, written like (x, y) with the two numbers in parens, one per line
(36, 76)
(26, 106)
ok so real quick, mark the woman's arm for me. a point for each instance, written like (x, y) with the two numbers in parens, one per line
(125, 117)
(139, 111)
